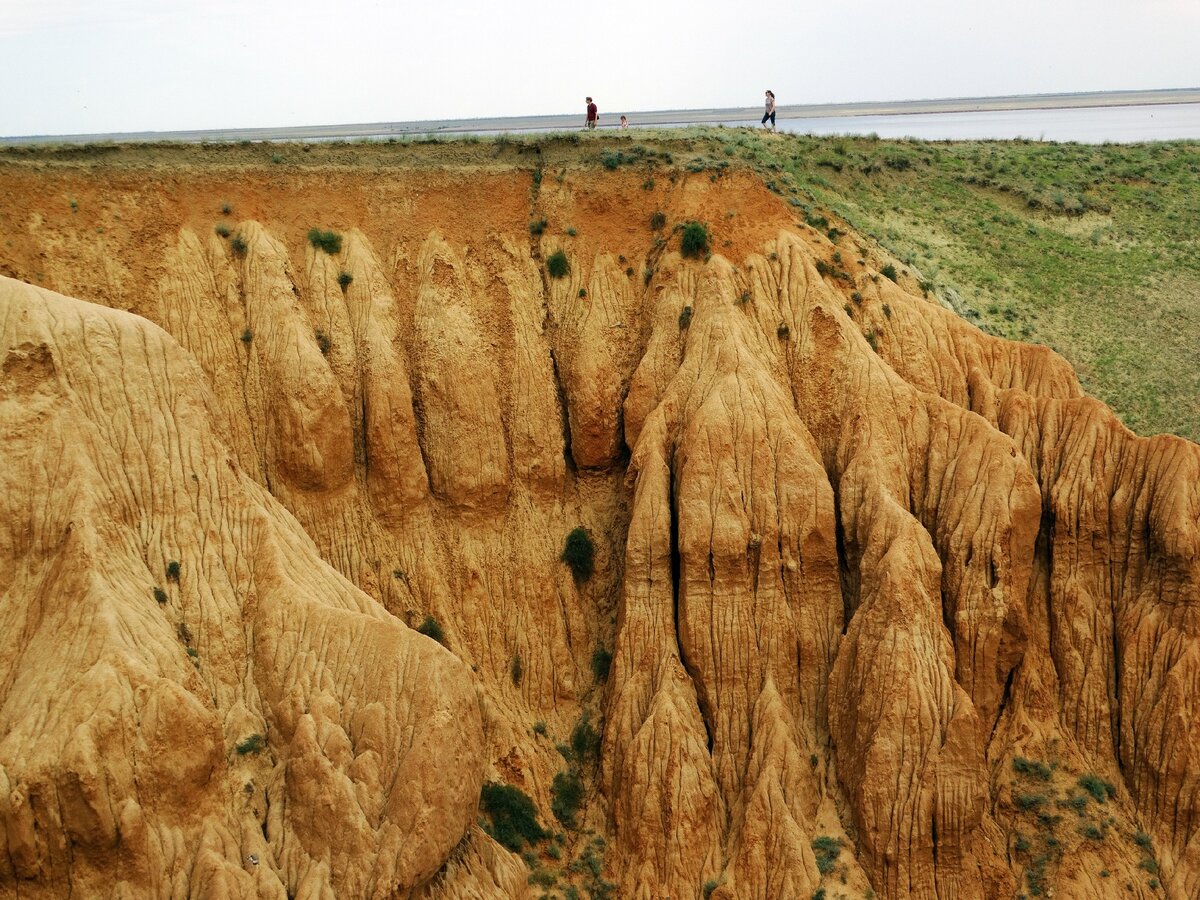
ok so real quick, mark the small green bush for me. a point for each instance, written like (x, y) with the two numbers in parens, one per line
(222, 230)
(658, 221)
(539, 727)
(329, 241)
(582, 293)
(516, 669)
(1142, 839)
(694, 241)
(585, 740)
(1149, 865)
(888, 271)
(1032, 768)
(252, 744)
(566, 793)
(160, 595)
(827, 849)
(685, 318)
(513, 816)
(238, 245)
(537, 226)
(1092, 832)
(247, 335)
(324, 343)
(709, 886)
(431, 628)
(1100, 789)
(344, 280)
(579, 554)
(887, 311)
(173, 570)
(558, 265)
(226, 209)
(601, 663)
(783, 332)
(1030, 801)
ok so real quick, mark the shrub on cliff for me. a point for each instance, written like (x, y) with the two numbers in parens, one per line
(329, 241)
(566, 792)
(558, 265)
(585, 740)
(431, 628)
(694, 241)
(513, 816)
(579, 554)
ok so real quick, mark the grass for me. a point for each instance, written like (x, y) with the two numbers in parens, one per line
(512, 817)
(579, 553)
(557, 265)
(329, 241)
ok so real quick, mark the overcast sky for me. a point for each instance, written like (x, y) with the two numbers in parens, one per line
(71, 66)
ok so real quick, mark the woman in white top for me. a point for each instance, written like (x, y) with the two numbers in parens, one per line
(770, 113)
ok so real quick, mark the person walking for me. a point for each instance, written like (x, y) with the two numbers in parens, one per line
(770, 113)
(593, 115)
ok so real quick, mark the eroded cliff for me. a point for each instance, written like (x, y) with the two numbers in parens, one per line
(891, 605)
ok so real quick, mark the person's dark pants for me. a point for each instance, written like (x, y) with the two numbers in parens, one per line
(770, 116)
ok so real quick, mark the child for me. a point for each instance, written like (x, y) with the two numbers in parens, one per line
(624, 122)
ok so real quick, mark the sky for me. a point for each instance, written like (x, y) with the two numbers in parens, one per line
(102, 66)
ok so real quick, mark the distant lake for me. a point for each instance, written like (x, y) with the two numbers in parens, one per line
(1094, 125)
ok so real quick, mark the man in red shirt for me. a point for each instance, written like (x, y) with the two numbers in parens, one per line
(593, 115)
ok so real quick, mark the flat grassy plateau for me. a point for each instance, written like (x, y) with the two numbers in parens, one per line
(1092, 250)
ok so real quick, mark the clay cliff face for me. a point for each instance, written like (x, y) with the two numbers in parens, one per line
(893, 608)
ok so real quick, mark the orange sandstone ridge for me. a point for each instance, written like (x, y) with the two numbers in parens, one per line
(894, 609)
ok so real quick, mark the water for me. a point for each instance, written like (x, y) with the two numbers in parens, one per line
(1094, 125)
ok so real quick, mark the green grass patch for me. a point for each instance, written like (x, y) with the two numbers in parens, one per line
(329, 241)
(579, 553)
(512, 817)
